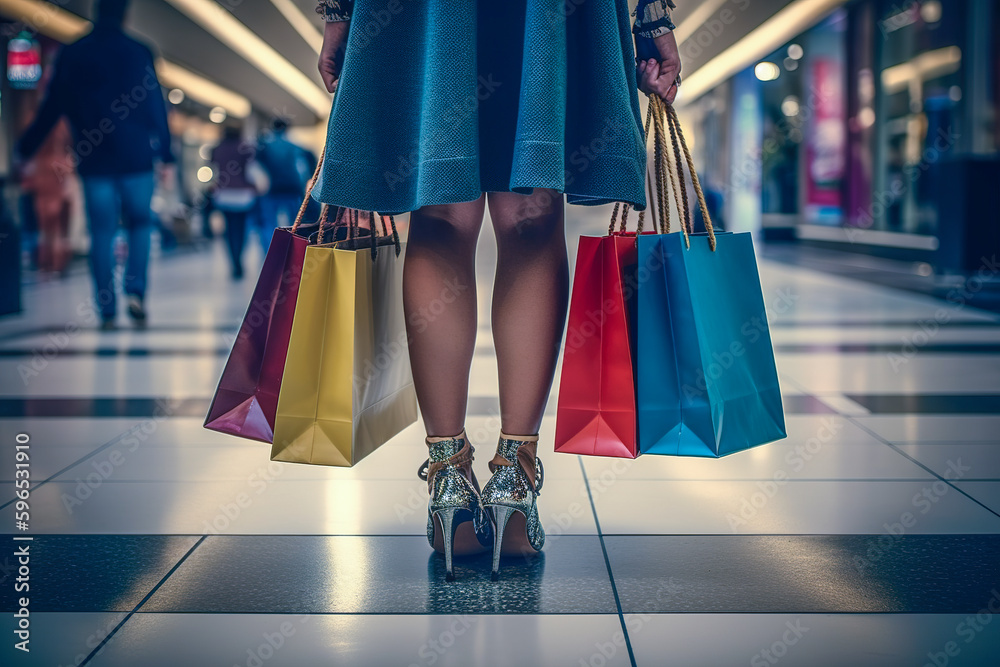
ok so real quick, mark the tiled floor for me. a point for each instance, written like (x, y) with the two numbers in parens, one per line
(158, 543)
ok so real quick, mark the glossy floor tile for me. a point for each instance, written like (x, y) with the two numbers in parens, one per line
(987, 493)
(380, 575)
(934, 428)
(163, 640)
(95, 573)
(963, 460)
(256, 504)
(812, 640)
(60, 638)
(795, 508)
(797, 460)
(892, 572)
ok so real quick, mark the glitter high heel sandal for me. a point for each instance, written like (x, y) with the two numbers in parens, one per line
(457, 522)
(511, 496)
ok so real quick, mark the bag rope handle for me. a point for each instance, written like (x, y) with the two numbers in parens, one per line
(702, 204)
(342, 212)
(309, 189)
(668, 173)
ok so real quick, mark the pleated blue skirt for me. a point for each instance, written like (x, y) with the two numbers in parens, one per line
(442, 100)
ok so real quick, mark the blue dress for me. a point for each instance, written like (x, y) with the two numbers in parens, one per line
(442, 100)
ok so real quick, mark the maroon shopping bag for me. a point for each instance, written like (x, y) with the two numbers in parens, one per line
(246, 400)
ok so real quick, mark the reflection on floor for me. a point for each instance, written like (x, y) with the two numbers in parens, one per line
(868, 537)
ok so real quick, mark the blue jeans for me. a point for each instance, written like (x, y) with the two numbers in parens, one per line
(108, 198)
(274, 207)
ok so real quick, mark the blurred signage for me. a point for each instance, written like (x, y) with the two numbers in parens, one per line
(24, 62)
(825, 143)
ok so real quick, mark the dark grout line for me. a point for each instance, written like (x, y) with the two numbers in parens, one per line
(904, 454)
(607, 563)
(80, 460)
(97, 649)
(853, 419)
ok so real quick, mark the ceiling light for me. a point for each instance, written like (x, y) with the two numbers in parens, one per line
(794, 51)
(767, 71)
(786, 24)
(176, 96)
(205, 174)
(212, 17)
(217, 115)
(302, 24)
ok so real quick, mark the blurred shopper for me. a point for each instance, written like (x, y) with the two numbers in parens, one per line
(47, 178)
(106, 86)
(288, 167)
(232, 192)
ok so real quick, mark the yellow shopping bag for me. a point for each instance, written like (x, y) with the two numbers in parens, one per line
(347, 387)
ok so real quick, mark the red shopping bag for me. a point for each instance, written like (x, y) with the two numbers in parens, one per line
(596, 411)
(247, 398)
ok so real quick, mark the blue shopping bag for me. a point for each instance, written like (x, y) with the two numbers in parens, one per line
(706, 382)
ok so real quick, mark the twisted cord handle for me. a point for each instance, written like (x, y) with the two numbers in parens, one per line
(702, 204)
(309, 189)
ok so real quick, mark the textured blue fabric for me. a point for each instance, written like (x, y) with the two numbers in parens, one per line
(441, 100)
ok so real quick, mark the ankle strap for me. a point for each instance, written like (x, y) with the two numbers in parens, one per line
(461, 459)
(524, 452)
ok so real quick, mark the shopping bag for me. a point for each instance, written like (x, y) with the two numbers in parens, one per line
(247, 395)
(246, 398)
(348, 387)
(707, 382)
(596, 411)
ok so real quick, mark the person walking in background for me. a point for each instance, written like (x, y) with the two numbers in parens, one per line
(105, 85)
(47, 179)
(287, 167)
(232, 193)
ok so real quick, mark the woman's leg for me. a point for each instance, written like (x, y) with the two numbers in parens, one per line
(530, 297)
(439, 297)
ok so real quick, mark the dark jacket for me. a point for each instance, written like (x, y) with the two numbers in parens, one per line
(232, 158)
(286, 164)
(106, 86)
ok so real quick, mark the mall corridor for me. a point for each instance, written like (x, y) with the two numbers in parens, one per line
(870, 536)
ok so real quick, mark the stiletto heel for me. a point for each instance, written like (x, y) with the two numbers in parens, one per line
(512, 493)
(457, 522)
(501, 514)
(448, 518)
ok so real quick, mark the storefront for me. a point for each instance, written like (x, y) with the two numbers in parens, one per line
(840, 134)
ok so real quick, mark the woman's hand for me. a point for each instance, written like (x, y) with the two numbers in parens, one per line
(331, 56)
(660, 77)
